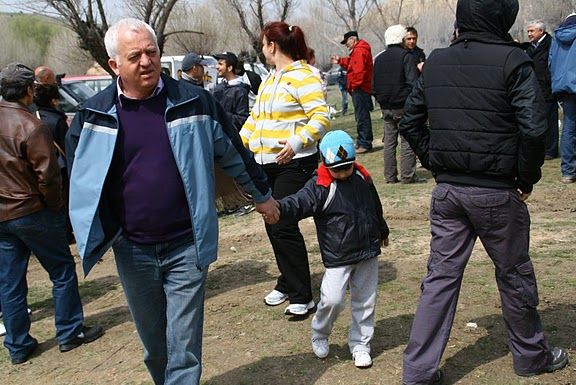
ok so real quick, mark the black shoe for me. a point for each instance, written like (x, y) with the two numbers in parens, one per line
(393, 181)
(25, 356)
(244, 210)
(559, 361)
(438, 378)
(88, 334)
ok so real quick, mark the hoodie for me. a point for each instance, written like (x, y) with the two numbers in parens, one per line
(562, 58)
(359, 66)
(290, 107)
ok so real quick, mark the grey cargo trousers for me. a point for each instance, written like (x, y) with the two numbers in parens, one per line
(458, 216)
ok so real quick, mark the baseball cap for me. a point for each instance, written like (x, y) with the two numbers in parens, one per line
(337, 149)
(347, 35)
(16, 74)
(191, 60)
(230, 58)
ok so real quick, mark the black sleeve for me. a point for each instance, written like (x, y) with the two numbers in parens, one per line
(413, 126)
(384, 230)
(531, 119)
(411, 72)
(241, 109)
(305, 203)
(72, 138)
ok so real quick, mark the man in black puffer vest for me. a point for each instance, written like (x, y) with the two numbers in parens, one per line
(395, 73)
(485, 147)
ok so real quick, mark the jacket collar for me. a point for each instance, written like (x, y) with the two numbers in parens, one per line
(17, 105)
(324, 177)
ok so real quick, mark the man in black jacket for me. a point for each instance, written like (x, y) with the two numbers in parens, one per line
(395, 73)
(411, 44)
(485, 146)
(232, 92)
(538, 49)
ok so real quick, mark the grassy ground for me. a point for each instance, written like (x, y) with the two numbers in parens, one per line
(247, 343)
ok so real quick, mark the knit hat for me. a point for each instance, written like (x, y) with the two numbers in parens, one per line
(190, 61)
(16, 75)
(395, 34)
(337, 149)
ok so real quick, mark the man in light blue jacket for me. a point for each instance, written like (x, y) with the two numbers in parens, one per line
(563, 72)
(141, 155)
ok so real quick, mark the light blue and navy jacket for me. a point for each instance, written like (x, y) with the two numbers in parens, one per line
(200, 134)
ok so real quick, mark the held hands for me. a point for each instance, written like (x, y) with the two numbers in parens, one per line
(334, 59)
(270, 211)
(286, 154)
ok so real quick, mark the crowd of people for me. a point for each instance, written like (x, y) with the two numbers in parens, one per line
(481, 115)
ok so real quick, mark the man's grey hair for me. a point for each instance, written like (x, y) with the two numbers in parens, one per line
(539, 24)
(111, 38)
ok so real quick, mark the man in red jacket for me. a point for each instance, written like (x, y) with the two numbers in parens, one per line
(359, 77)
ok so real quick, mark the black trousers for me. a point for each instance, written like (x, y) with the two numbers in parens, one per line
(285, 236)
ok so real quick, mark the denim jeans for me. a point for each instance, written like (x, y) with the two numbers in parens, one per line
(362, 106)
(344, 94)
(44, 234)
(568, 138)
(164, 288)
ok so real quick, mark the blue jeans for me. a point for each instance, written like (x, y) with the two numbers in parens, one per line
(44, 234)
(164, 287)
(344, 94)
(568, 138)
(362, 107)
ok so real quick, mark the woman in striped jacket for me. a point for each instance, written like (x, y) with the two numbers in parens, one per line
(288, 119)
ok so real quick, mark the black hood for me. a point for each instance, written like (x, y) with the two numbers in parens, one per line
(494, 17)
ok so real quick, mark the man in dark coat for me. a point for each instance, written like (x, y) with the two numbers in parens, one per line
(538, 49)
(395, 73)
(411, 44)
(485, 146)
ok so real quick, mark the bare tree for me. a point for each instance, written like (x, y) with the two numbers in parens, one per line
(88, 19)
(351, 12)
(253, 15)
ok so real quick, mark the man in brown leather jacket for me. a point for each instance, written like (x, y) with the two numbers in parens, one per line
(32, 220)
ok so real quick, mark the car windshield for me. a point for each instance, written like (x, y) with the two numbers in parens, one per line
(79, 90)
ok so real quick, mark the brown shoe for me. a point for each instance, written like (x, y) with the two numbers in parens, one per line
(362, 150)
(568, 179)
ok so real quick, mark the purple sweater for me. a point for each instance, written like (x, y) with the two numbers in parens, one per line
(144, 185)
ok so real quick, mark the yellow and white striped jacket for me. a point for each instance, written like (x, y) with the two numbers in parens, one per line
(290, 106)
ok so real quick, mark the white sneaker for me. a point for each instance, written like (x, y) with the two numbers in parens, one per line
(299, 308)
(320, 347)
(275, 298)
(362, 359)
(2, 329)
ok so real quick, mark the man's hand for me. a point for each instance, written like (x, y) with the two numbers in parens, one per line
(270, 211)
(523, 196)
(384, 242)
(286, 154)
(334, 59)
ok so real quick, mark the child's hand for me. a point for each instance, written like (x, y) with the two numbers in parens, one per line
(384, 242)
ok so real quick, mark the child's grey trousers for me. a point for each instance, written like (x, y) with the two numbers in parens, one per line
(362, 279)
